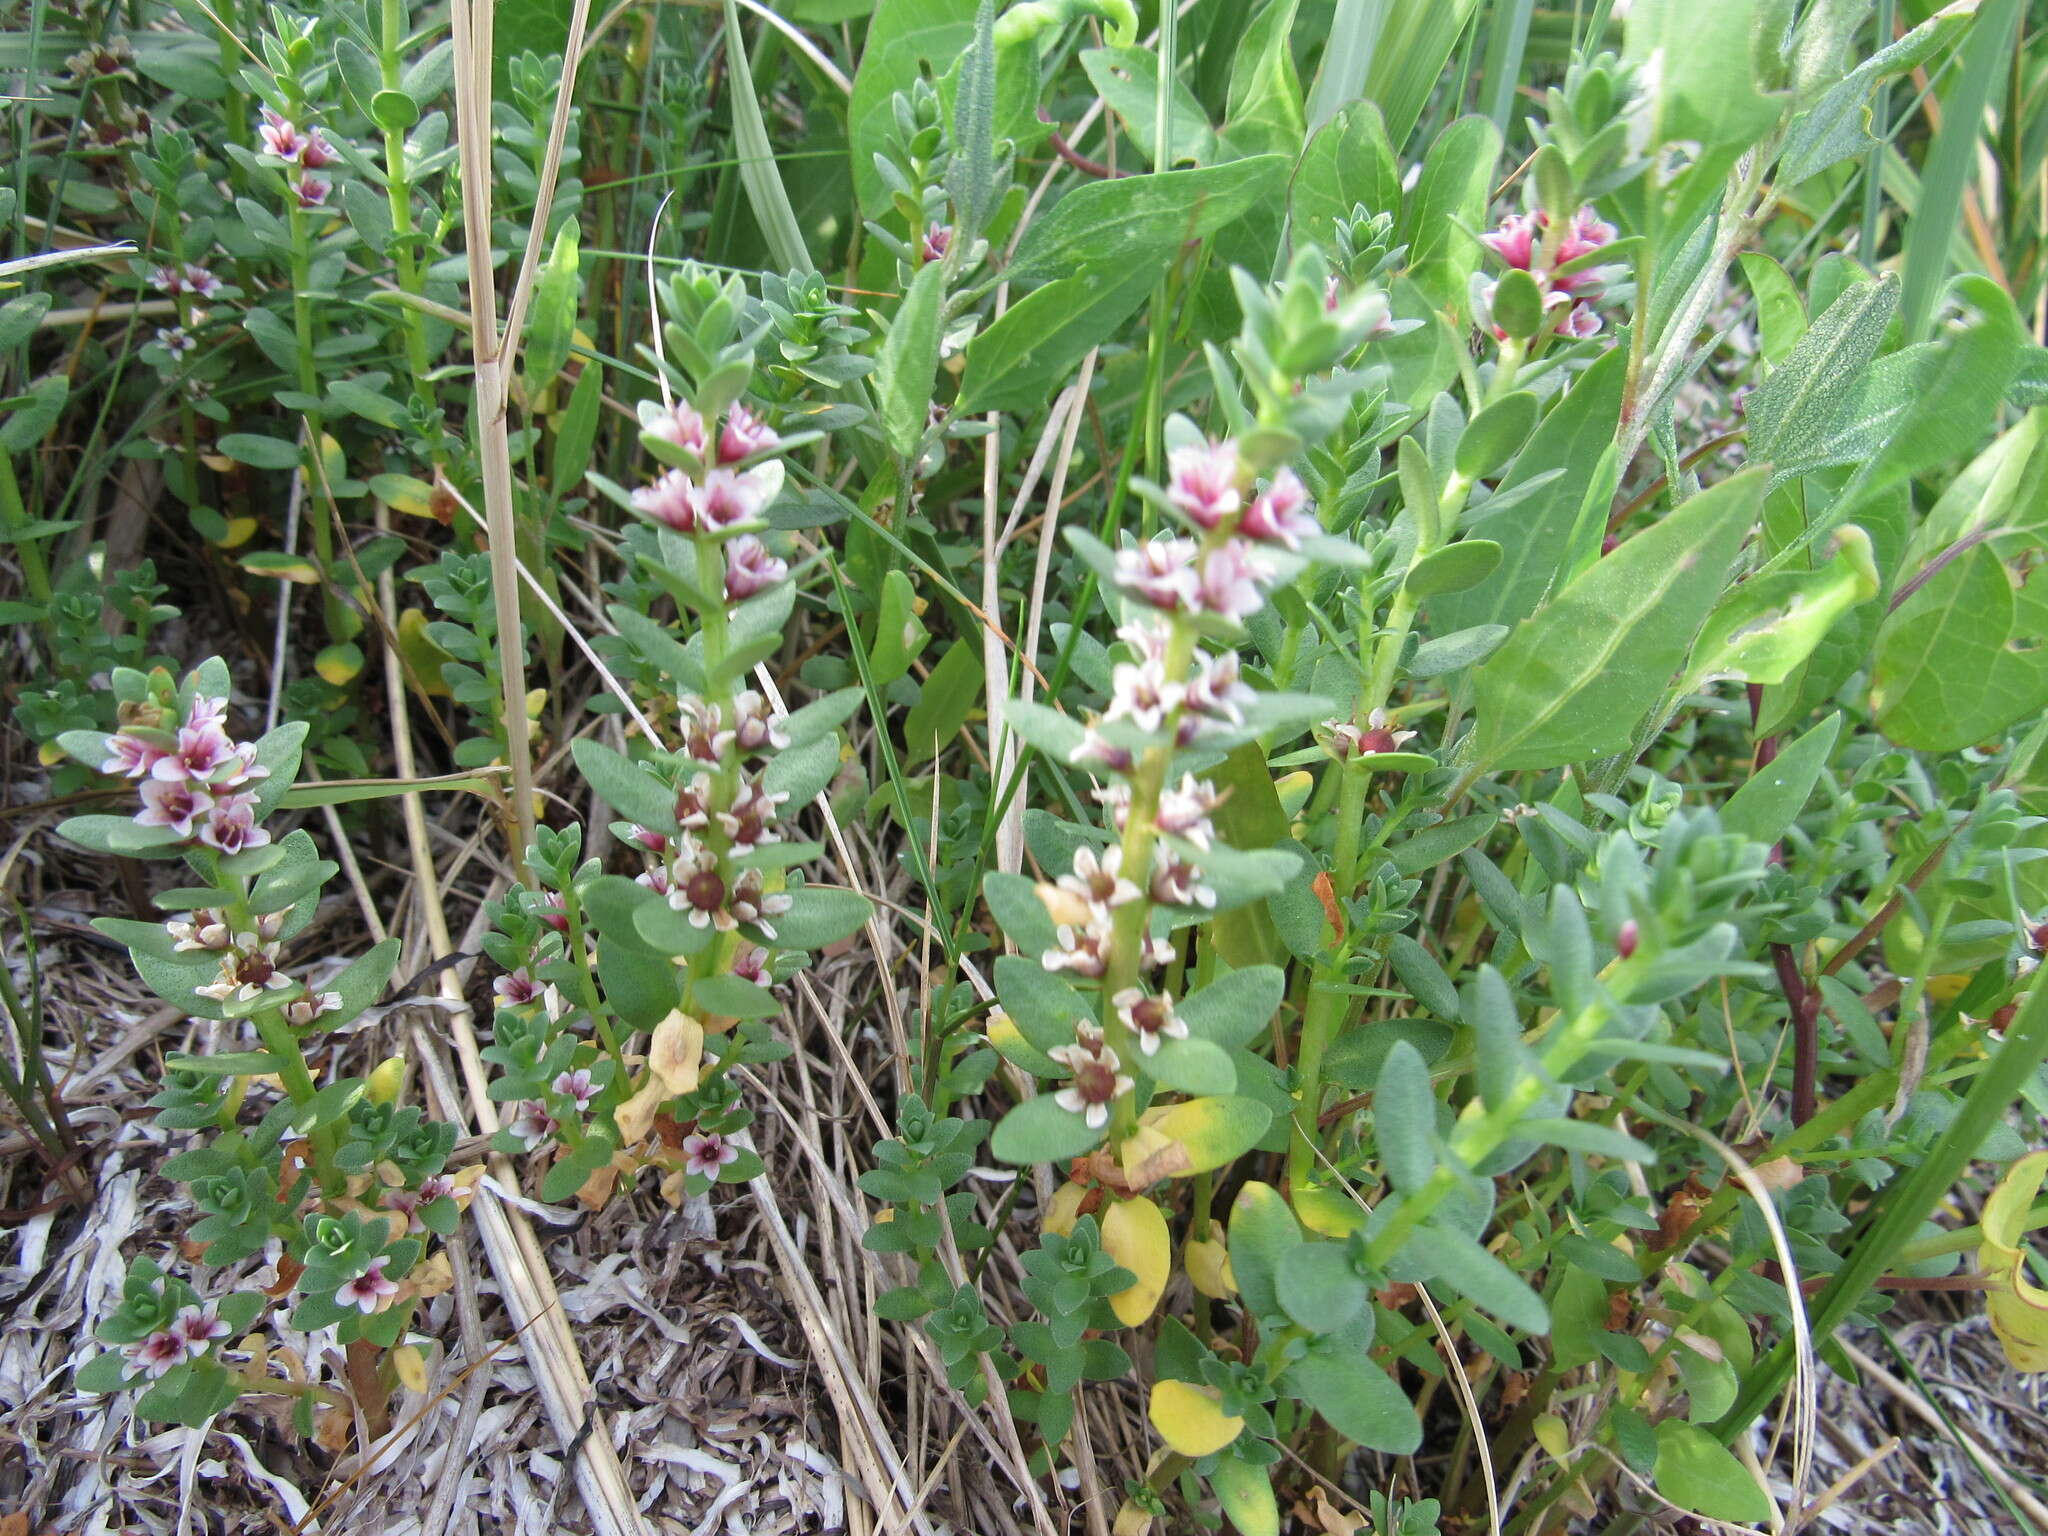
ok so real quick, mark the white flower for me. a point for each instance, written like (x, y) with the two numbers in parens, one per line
(1150, 1019)
(1097, 1084)
(1098, 879)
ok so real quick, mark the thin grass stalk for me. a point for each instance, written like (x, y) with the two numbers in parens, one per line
(1347, 57)
(514, 1255)
(471, 24)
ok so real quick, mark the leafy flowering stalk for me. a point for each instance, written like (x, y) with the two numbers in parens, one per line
(685, 949)
(340, 1183)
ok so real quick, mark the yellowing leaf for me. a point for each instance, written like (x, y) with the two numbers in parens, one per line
(411, 1366)
(385, 1080)
(240, 530)
(636, 1116)
(282, 566)
(1190, 1419)
(1329, 1212)
(1202, 1134)
(1134, 1234)
(1207, 1262)
(340, 664)
(1293, 789)
(423, 658)
(1063, 1210)
(677, 1053)
(1553, 1436)
(2018, 1307)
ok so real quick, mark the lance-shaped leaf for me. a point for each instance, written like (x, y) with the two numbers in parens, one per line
(1764, 628)
(1577, 678)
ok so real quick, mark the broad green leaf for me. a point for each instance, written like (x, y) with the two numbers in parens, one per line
(1802, 404)
(1128, 80)
(819, 916)
(1767, 626)
(1491, 438)
(1577, 678)
(1189, 1066)
(1020, 361)
(1696, 1472)
(1236, 1009)
(1319, 1286)
(260, 452)
(624, 785)
(1360, 1401)
(1700, 63)
(942, 707)
(1772, 797)
(1449, 201)
(1264, 112)
(1348, 164)
(1780, 312)
(1137, 219)
(1536, 533)
(1463, 1264)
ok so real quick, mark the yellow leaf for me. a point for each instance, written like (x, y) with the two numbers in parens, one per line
(411, 1366)
(1203, 1134)
(340, 664)
(1191, 1419)
(677, 1053)
(331, 459)
(1063, 1209)
(240, 530)
(1208, 1266)
(1293, 790)
(49, 754)
(385, 1080)
(636, 1115)
(2018, 1307)
(1553, 1436)
(1329, 1212)
(1134, 1234)
(423, 658)
(1946, 989)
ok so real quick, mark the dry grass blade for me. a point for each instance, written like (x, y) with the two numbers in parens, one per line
(523, 1277)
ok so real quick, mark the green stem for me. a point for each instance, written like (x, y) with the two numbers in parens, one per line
(1328, 1003)
(35, 574)
(309, 384)
(398, 189)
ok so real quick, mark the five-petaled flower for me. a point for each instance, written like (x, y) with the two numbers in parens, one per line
(1097, 1084)
(1150, 1019)
(368, 1292)
(706, 1152)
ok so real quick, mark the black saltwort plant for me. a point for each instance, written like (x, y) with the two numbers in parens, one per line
(339, 1187)
(687, 949)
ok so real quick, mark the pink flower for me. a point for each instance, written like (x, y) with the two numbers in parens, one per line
(231, 825)
(682, 427)
(1140, 693)
(1280, 514)
(1185, 811)
(304, 1012)
(1097, 1083)
(1585, 234)
(167, 280)
(196, 1328)
(938, 239)
(312, 191)
(1160, 571)
(204, 753)
(1083, 950)
(728, 501)
(751, 821)
(749, 568)
(575, 1085)
(752, 902)
(1099, 749)
(744, 435)
(280, 137)
(205, 711)
(368, 1291)
(1177, 883)
(533, 1125)
(1202, 482)
(1098, 879)
(1218, 689)
(1151, 1019)
(315, 151)
(173, 804)
(201, 281)
(648, 838)
(1515, 241)
(1229, 582)
(706, 1152)
(756, 727)
(158, 1354)
(1581, 322)
(515, 989)
(750, 963)
(693, 805)
(407, 1202)
(704, 734)
(175, 339)
(130, 756)
(671, 501)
